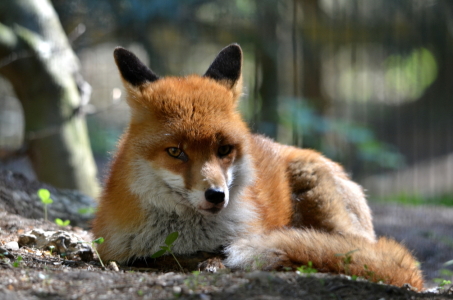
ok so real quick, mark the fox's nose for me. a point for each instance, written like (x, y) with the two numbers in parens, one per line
(214, 196)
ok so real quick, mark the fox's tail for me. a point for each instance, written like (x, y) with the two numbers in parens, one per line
(385, 260)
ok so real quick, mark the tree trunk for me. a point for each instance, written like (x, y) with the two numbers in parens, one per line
(36, 58)
(266, 52)
(312, 78)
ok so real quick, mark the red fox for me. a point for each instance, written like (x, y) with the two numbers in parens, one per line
(188, 163)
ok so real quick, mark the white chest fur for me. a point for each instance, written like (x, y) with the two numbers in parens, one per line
(166, 210)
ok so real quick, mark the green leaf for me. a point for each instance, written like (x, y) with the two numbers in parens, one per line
(99, 240)
(47, 201)
(171, 238)
(16, 264)
(43, 194)
(87, 210)
(158, 253)
(350, 252)
(60, 222)
(446, 272)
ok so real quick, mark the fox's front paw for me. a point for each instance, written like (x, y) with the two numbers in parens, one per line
(211, 265)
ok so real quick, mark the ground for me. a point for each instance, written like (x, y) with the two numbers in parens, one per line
(42, 275)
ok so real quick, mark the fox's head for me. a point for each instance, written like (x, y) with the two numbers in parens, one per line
(187, 144)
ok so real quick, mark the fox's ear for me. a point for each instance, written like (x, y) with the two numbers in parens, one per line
(226, 67)
(132, 69)
(134, 74)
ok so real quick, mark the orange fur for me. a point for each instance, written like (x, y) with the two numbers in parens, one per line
(278, 204)
(385, 261)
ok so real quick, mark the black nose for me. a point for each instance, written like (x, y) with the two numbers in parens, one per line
(214, 196)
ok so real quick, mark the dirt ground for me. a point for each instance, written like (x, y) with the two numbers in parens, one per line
(44, 275)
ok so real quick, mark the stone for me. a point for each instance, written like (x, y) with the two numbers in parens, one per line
(65, 243)
(13, 246)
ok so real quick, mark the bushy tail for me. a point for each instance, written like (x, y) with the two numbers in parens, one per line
(385, 260)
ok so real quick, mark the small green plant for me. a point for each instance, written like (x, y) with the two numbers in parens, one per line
(98, 241)
(259, 262)
(93, 243)
(442, 282)
(195, 280)
(16, 264)
(62, 223)
(169, 240)
(347, 260)
(87, 210)
(44, 195)
(371, 275)
(51, 249)
(308, 269)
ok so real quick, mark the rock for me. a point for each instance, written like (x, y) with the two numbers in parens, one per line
(62, 242)
(27, 239)
(211, 265)
(113, 266)
(5, 253)
(260, 276)
(12, 246)
(18, 195)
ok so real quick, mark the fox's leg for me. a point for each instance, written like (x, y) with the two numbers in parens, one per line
(324, 197)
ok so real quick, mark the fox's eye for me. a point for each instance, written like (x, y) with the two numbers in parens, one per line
(174, 152)
(224, 150)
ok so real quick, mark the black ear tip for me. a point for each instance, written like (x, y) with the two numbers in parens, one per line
(233, 50)
(131, 68)
(120, 53)
(235, 46)
(118, 49)
(227, 65)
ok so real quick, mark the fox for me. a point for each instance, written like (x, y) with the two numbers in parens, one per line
(188, 163)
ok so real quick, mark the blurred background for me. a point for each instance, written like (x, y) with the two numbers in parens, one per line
(368, 83)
